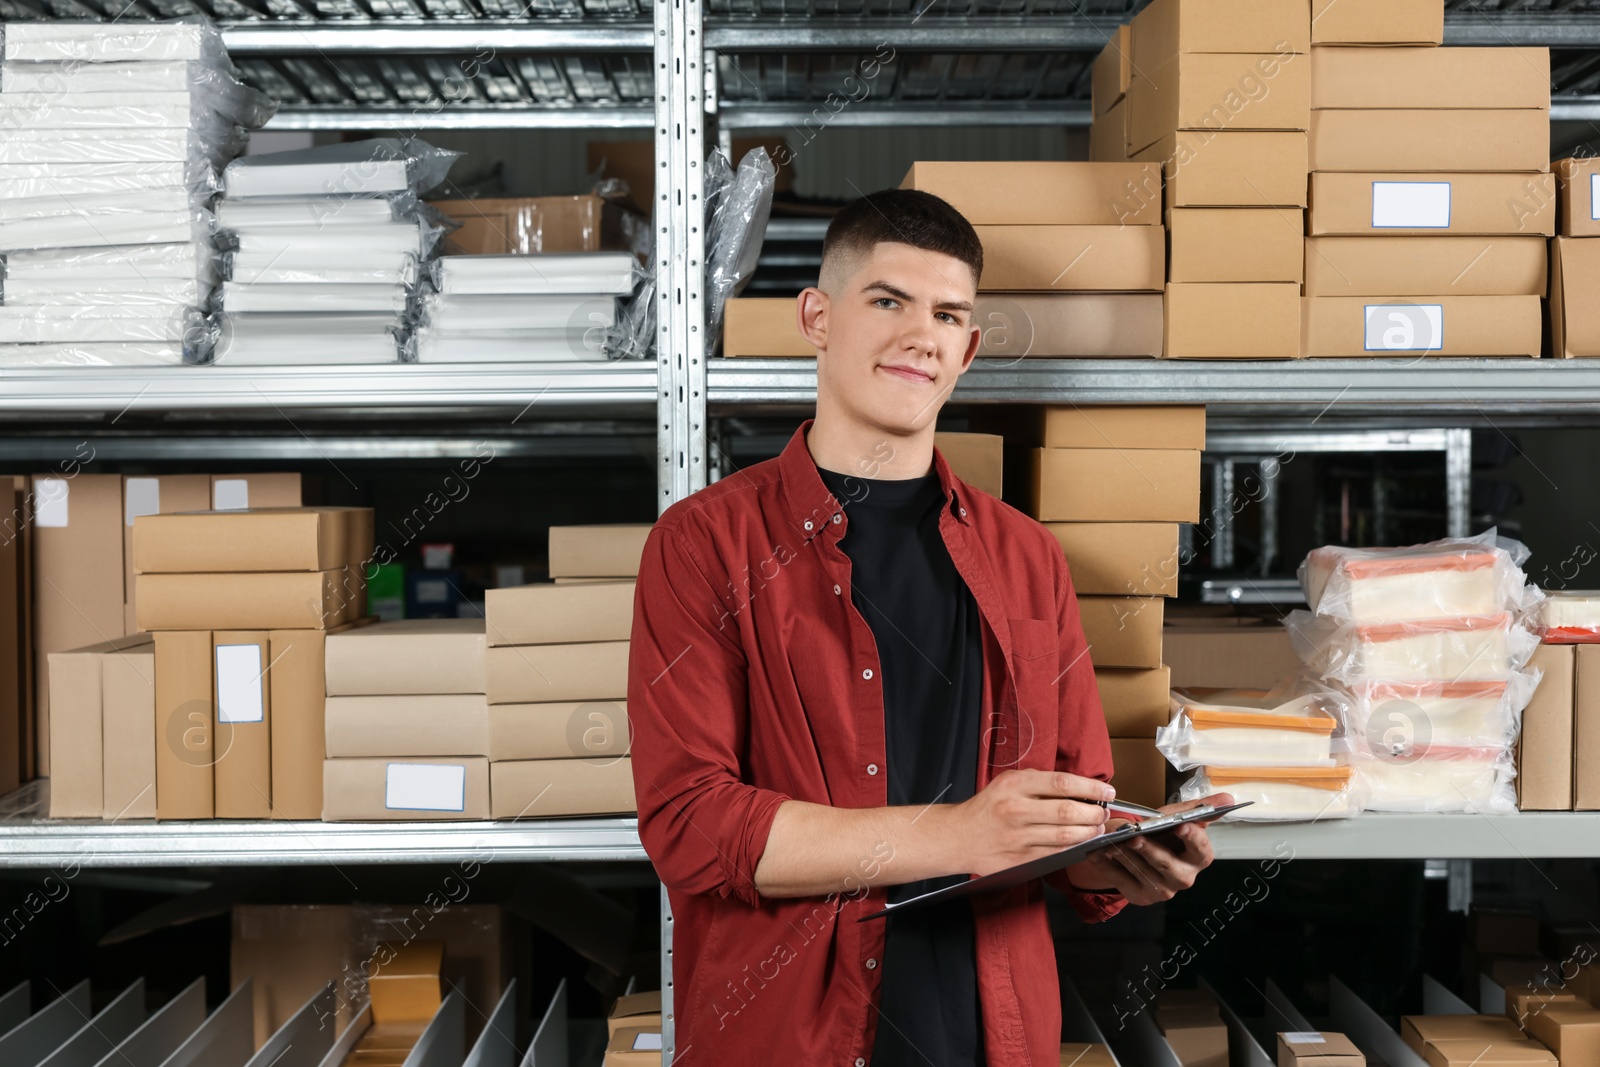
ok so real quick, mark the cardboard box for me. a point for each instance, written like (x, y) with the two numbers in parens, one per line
(243, 724)
(530, 225)
(1574, 320)
(1572, 1033)
(128, 730)
(278, 600)
(549, 614)
(406, 789)
(1042, 193)
(1229, 657)
(1318, 1049)
(236, 492)
(1544, 749)
(1072, 258)
(298, 679)
(260, 539)
(1253, 320)
(1420, 1030)
(1586, 728)
(1120, 558)
(1135, 426)
(1425, 325)
(455, 724)
(1452, 78)
(1429, 141)
(78, 578)
(762, 327)
(1477, 1053)
(154, 495)
(1170, 27)
(610, 551)
(1122, 631)
(632, 1046)
(405, 984)
(1214, 92)
(638, 1010)
(1235, 168)
(1134, 701)
(185, 713)
(1198, 1037)
(1108, 135)
(1578, 182)
(1222, 244)
(1521, 1003)
(77, 779)
(1396, 205)
(976, 458)
(544, 674)
(1115, 485)
(1361, 22)
(1425, 266)
(407, 656)
(1071, 325)
(539, 789)
(564, 730)
(1112, 70)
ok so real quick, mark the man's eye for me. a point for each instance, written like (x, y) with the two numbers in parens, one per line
(885, 302)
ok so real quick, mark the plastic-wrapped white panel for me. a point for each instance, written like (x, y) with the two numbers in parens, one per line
(21, 181)
(355, 168)
(127, 292)
(294, 297)
(168, 198)
(310, 349)
(535, 346)
(599, 273)
(96, 42)
(143, 262)
(476, 314)
(380, 241)
(72, 231)
(266, 213)
(154, 354)
(150, 322)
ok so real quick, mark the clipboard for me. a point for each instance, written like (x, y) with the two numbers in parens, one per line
(1027, 872)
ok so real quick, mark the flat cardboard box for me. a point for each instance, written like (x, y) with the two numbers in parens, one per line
(1135, 701)
(1108, 135)
(1372, 22)
(436, 724)
(564, 730)
(1521, 1003)
(633, 1046)
(1234, 168)
(548, 614)
(128, 730)
(278, 600)
(1420, 1030)
(611, 551)
(635, 1009)
(1424, 266)
(405, 789)
(1318, 1049)
(298, 678)
(154, 495)
(1170, 27)
(544, 674)
(1229, 657)
(976, 458)
(1120, 558)
(762, 327)
(1469, 1052)
(1198, 1039)
(260, 539)
(1122, 631)
(1220, 320)
(1586, 731)
(243, 723)
(78, 578)
(1454, 78)
(1068, 325)
(185, 712)
(1423, 325)
(1397, 205)
(1112, 70)
(407, 656)
(1072, 258)
(1574, 276)
(1216, 92)
(1115, 485)
(532, 225)
(1222, 244)
(77, 779)
(1041, 193)
(1544, 747)
(1571, 1032)
(1577, 182)
(405, 983)
(1429, 141)
(234, 492)
(1136, 426)
(538, 789)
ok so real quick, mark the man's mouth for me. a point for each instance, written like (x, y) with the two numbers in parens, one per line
(910, 374)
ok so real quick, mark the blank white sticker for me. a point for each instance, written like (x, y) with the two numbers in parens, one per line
(1412, 205)
(141, 496)
(432, 590)
(1405, 327)
(230, 494)
(50, 502)
(1304, 1037)
(425, 786)
(239, 684)
(647, 1042)
(1594, 196)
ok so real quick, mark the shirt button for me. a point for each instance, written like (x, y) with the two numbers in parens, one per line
(836, 518)
(860, 1062)
(808, 524)
(872, 768)
(867, 674)
(837, 590)
(872, 964)
(963, 513)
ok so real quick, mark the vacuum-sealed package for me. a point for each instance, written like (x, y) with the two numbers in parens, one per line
(269, 264)
(1249, 728)
(244, 348)
(35, 147)
(1467, 649)
(96, 42)
(87, 265)
(237, 297)
(153, 322)
(305, 211)
(379, 240)
(354, 168)
(27, 181)
(180, 109)
(1430, 778)
(564, 273)
(256, 269)
(462, 314)
(1280, 793)
(1392, 716)
(1570, 616)
(133, 227)
(127, 292)
(118, 76)
(1456, 577)
(164, 198)
(526, 346)
(67, 354)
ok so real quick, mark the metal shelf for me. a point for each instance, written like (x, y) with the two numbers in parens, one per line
(419, 37)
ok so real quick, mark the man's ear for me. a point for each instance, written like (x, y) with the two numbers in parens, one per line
(811, 316)
(974, 340)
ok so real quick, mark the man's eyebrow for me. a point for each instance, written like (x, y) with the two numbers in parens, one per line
(901, 294)
(952, 305)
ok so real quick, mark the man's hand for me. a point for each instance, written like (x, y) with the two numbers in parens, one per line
(1146, 870)
(1022, 815)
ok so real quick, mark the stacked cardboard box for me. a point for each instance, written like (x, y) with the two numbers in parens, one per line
(1219, 95)
(105, 736)
(1108, 97)
(634, 1030)
(228, 594)
(1312, 1048)
(407, 722)
(1463, 1040)
(1430, 200)
(1191, 1023)
(1575, 261)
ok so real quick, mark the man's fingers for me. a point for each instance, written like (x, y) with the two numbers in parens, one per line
(1062, 784)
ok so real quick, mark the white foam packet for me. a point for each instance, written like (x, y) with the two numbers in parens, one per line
(105, 323)
(87, 231)
(1391, 717)
(1439, 778)
(188, 38)
(235, 297)
(24, 181)
(1570, 616)
(38, 147)
(561, 273)
(512, 346)
(190, 85)
(1294, 725)
(115, 262)
(55, 355)
(262, 270)
(1479, 648)
(314, 211)
(353, 168)
(165, 198)
(480, 313)
(1454, 577)
(1280, 794)
(130, 292)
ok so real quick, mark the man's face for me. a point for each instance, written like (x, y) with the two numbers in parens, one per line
(893, 336)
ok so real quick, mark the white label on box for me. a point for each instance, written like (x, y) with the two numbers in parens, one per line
(230, 494)
(425, 787)
(141, 496)
(239, 684)
(432, 590)
(50, 502)
(647, 1042)
(1411, 205)
(1594, 196)
(1304, 1037)
(1405, 327)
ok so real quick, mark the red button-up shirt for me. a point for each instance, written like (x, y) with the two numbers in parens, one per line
(753, 680)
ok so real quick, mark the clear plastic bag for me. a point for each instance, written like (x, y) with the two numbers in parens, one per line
(70, 231)
(737, 209)
(1451, 578)
(189, 38)
(1569, 617)
(24, 181)
(1439, 779)
(237, 297)
(379, 241)
(355, 168)
(471, 314)
(1251, 728)
(145, 201)
(1280, 794)
(36, 325)
(569, 273)
(122, 262)
(633, 336)
(1397, 717)
(196, 87)
(265, 213)
(1481, 648)
(265, 270)
(149, 354)
(185, 292)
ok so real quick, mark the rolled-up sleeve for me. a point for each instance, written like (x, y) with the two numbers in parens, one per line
(704, 827)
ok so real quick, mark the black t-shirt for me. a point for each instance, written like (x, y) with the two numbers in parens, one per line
(930, 652)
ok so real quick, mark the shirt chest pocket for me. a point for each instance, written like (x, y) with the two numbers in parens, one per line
(1035, 649)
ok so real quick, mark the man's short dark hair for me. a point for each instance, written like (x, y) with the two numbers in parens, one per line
(906, 216)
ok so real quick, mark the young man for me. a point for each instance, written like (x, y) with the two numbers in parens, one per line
(855, 678)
